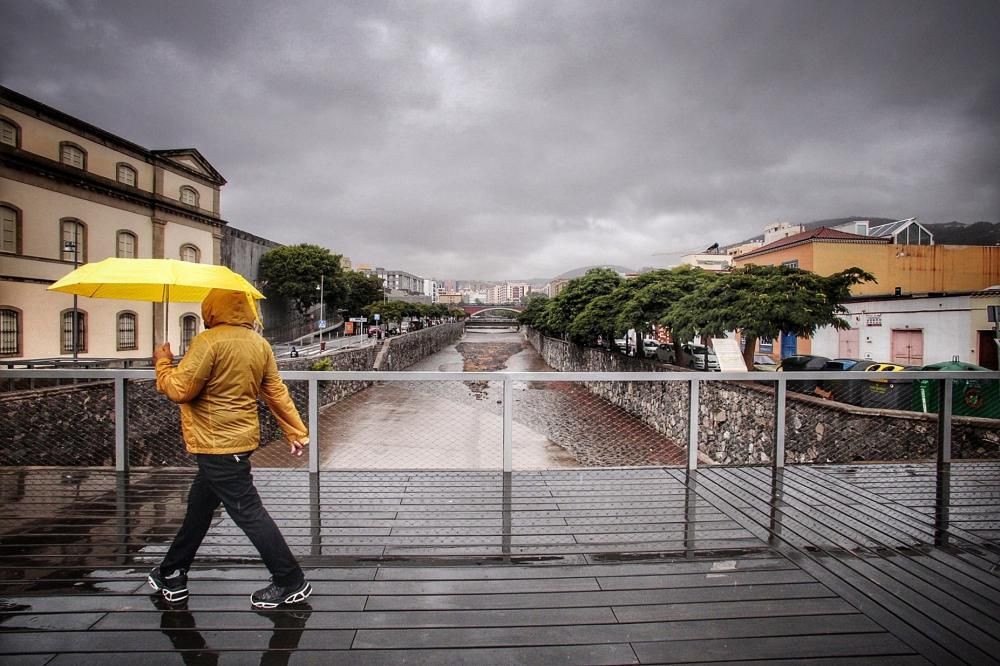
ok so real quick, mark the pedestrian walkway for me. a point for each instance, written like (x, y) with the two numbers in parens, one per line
(863, 564)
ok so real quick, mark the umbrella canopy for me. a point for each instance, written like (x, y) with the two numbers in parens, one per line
(155, 280)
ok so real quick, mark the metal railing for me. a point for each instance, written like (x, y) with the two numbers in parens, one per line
(700, 396)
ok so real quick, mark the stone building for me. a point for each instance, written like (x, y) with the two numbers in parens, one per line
(72, 193)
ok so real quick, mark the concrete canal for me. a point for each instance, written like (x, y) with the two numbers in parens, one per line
(458, 424)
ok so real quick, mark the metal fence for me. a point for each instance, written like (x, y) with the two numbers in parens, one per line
(526, 420)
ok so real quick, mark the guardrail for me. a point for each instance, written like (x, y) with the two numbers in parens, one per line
(690, 384)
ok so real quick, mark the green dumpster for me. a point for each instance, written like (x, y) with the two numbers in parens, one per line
(971, 397)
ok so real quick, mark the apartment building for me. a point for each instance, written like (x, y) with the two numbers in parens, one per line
(507, 292)
(72, 193)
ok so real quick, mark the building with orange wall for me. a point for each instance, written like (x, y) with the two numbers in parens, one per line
(901, 271)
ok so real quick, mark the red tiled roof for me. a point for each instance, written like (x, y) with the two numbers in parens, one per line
(818, 234)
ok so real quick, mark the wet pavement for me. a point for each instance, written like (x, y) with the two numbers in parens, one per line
(458, 424)
(846, 564)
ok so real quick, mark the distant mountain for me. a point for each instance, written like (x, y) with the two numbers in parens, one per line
(577, 272)
(956, 233)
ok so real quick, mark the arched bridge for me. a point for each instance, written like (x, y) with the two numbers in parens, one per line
(477, 309)
(492, 316)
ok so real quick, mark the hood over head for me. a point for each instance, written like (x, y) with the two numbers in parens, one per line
(222, 306)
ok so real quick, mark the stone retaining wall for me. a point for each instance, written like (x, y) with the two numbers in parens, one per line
(74, 425)
(736, 419)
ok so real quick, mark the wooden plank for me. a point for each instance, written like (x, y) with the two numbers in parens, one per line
(602, 598)
(635, 633)
(562, 655)
(872, 647)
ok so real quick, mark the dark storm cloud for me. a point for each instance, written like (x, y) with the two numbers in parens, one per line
(502, 139)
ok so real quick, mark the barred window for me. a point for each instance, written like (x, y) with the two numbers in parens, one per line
(126, 245)
(126, 331)
(67, 331)
(189, 329)
(10, 332)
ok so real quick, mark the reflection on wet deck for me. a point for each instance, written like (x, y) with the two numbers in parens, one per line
(894, 563)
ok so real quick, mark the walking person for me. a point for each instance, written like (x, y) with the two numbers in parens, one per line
(217, 384)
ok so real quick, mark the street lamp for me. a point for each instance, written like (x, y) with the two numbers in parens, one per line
(322, 318)
(71, 246)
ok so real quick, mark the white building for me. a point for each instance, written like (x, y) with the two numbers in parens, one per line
(915, 330)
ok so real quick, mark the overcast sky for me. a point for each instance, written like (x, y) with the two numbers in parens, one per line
(501, 139)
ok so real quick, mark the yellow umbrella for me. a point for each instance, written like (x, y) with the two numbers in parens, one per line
(154, 280)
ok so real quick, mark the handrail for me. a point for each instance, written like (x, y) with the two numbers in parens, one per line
(121, 379)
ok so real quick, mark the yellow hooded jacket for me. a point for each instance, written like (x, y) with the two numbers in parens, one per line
(220, 377)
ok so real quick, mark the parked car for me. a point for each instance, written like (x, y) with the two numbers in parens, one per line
(665, 353)
(803, 363)
(764, 362)
(694, 356)
(650, 347)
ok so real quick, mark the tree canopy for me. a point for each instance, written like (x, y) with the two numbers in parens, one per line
(294, 272)
(755, 301)
(361, 290)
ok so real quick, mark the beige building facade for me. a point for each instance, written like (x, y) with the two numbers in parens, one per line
(72, 193)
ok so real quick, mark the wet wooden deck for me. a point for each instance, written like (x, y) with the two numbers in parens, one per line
(824, 564)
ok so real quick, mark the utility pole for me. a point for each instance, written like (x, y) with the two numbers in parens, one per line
(73, 246)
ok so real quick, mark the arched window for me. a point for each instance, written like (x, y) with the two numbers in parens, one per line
(127, 245)
(73, 155)
(10, 134)
(126, 331)
(10, 331)
(10, 229)
(189, 195)
(127, 175)
(73, 240)
(189, 329)
(67, 330)
(190, 253)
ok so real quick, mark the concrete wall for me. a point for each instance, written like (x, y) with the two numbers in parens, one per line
(736, 420)
(404, 350)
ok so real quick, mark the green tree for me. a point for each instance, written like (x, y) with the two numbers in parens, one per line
(580, 291)
(293, 272)
(596, 320)
(534, 313)
(641, 302)
(361, 290)
(765, 301)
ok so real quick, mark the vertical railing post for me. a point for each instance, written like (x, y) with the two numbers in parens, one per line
(313, 425)
(121, 424)
(692, 461)
(945, 393)
(779, 423)
(942, 495)
(508, 425)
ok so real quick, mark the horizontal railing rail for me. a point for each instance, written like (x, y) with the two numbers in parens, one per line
(944, 380)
